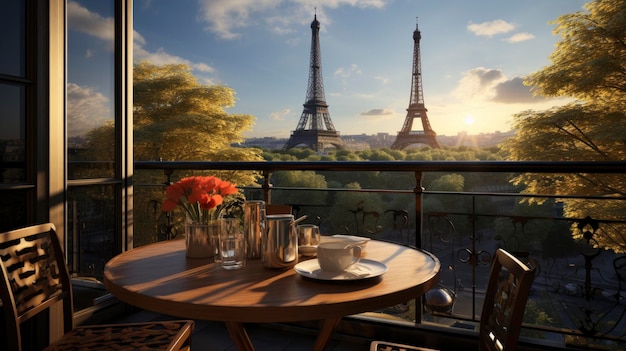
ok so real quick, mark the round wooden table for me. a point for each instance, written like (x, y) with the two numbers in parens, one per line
(158, 277)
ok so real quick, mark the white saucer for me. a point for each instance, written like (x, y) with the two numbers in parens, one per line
(360, 240)
(307, 250)
(364, 269)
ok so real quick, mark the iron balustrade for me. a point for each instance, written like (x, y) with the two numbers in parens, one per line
(587, 281)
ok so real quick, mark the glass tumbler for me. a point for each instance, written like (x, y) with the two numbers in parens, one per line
(232, 243)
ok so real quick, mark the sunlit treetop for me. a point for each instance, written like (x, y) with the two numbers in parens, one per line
(589, 62)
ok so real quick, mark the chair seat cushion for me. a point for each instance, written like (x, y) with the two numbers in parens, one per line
(134, 336)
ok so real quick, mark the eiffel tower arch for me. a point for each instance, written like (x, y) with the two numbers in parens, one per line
(417, 108)
(315, 129)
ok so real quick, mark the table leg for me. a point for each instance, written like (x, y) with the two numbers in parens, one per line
(326, 331)
(240, 336)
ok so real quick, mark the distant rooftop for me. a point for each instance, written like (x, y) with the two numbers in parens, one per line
(384, 140)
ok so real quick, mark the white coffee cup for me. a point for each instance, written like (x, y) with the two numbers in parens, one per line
(337, 256)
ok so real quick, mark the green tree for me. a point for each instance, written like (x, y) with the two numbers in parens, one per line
(99, 146)
(357, 213)
(171, 109)
(299, 179)
(588, 62)
(176, 118)
(448, 182)
(305, 202)
(588, 65)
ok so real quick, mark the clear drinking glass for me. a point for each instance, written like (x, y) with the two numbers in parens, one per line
(308, 235)
(232, 243)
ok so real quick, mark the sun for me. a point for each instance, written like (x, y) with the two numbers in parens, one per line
(469, 120)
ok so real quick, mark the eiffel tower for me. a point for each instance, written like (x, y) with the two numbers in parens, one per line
(417, 109)
(315, 128)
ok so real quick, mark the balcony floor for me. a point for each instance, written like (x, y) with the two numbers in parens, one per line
(213, 336)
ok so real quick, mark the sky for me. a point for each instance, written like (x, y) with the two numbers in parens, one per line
(474, 55)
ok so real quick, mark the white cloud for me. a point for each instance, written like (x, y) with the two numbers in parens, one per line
(519, 37)
(489, 29)
(161, 57)
(478, 83)
(91, 23)
(85, 21)
(202, 67)
(382, 79)
(138, 39)
(292, 41)
(514, 91)
(348, 72)
(377, 112)
(225, 17)
(491, 85)
(281, 25)
(280, 115)
(87, 109)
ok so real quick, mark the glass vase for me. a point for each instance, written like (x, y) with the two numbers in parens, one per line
(201, 239)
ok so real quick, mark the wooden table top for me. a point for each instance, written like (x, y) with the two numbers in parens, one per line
(158, 277)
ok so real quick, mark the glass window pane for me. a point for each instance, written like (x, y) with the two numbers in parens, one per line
(90, 229)
(12, 40)
(90, 89)
(12, 133)
(13, 209)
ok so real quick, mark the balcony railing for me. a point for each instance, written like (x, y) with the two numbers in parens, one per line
(577, 297)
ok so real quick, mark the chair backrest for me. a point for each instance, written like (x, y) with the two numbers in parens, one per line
(33, 278)
(510, 281)
(271, 209)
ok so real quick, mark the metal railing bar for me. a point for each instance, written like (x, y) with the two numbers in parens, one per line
(397, 166)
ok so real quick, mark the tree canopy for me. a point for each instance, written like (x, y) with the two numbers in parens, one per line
(589, 60)
(177, 118)
(589, 66)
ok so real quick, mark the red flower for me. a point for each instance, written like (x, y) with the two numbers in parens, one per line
(198, 196)
(169, 205)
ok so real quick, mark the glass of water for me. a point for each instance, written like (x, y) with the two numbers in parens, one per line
(232, 243)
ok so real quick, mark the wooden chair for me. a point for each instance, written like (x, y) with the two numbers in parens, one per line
(34, 277)
(272, 209)
(509, 285)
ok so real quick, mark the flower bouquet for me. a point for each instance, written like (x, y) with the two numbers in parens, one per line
(203, 199)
